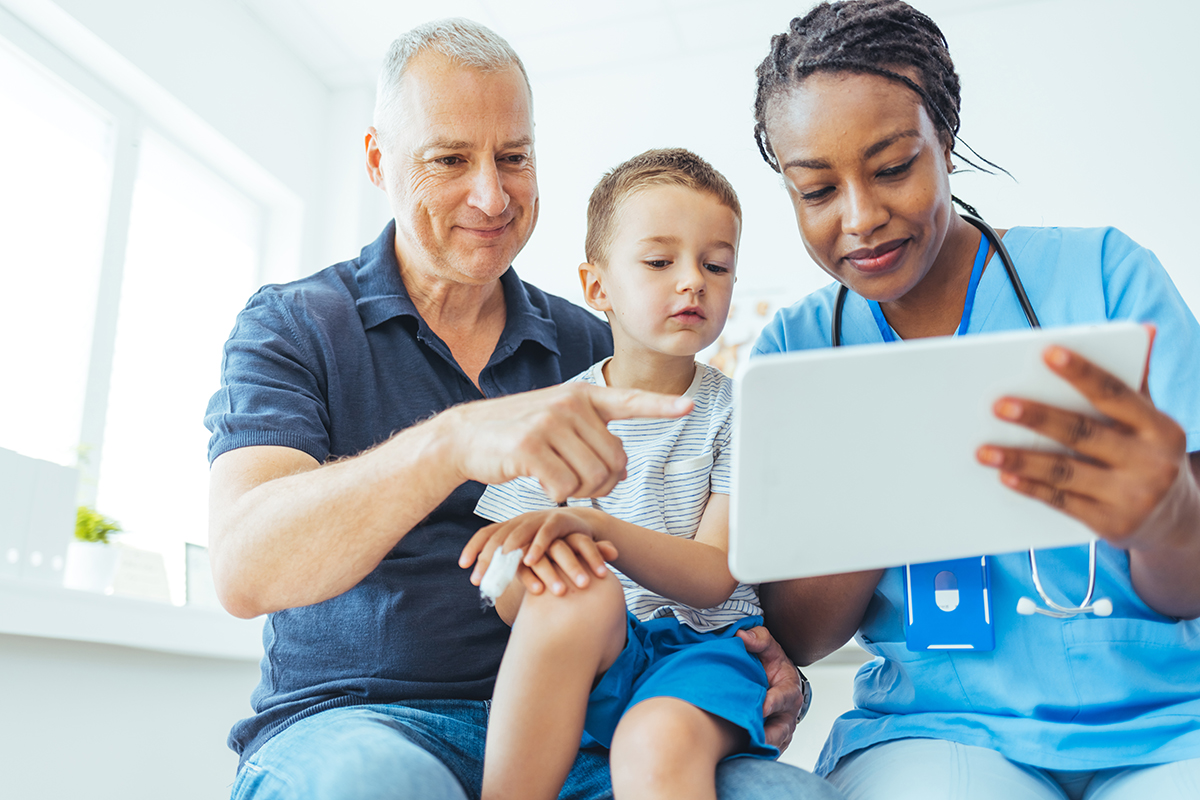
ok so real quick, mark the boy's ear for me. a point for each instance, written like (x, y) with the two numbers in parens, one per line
(593, 288)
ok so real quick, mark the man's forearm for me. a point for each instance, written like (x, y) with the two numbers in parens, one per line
(287, 532)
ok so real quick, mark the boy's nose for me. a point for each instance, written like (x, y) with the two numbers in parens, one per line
(691, 278)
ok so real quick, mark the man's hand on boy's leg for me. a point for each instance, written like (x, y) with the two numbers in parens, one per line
(785, 693)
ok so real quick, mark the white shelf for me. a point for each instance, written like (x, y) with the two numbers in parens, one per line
(53, 612)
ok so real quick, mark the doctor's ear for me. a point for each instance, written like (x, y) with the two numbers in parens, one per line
(591, 278)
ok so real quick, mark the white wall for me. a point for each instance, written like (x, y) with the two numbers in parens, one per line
(224, 65)
(102, 722)
(1091, 104)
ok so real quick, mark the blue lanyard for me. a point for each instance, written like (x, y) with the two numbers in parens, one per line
(885, 329)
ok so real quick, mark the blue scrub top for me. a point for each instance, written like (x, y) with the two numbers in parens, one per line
(1079, 694)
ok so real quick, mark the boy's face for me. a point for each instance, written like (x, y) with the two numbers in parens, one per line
(669, 278)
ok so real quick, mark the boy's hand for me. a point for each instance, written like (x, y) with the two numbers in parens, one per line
(560, 543)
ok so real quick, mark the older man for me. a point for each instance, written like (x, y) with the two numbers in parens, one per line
(347, 460)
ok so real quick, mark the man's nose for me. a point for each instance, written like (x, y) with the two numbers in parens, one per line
(862, 211)
(487, 191)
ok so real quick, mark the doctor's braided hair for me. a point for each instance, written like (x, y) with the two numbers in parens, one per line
(866, 36)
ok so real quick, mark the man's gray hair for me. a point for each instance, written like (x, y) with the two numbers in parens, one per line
(462, 40)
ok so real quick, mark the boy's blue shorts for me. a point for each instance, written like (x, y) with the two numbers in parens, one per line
(665, 658)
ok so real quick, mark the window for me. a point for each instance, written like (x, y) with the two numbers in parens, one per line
(191, 261)
(128, 243)
(56, 164)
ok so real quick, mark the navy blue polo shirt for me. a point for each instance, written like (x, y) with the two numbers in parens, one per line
(332, 365)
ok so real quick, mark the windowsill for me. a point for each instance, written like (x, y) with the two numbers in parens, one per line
(53, 612)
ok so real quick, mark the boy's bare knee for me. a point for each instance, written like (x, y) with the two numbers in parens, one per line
(593, 615)
(667, 743)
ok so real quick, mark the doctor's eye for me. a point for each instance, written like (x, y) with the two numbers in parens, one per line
(817, 194)
(449, 161)
(899, 170)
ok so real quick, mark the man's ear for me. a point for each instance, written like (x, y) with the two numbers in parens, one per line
(593, 288)
(374, 155)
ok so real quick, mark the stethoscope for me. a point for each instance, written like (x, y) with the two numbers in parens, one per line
(1026, 606)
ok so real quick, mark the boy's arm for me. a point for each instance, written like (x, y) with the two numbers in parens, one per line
(690, 571)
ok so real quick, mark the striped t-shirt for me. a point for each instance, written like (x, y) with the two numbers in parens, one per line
(673, 465)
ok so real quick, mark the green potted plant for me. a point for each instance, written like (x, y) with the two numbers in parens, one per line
(91, 561)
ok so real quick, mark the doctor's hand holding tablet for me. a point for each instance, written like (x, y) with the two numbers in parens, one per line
(1009, 522)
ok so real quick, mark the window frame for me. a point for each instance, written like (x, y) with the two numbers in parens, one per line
(71, 54)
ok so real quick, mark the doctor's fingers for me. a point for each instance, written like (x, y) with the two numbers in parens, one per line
(1109, 394)
(1061, 470)
(1156, 444)
(1085, 509)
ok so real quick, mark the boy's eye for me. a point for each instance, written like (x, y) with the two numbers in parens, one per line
(717, 269)
(658, 263)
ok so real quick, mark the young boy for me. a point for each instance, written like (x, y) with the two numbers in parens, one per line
(668, 685)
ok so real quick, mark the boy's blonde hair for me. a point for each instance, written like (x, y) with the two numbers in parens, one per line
(668, 167)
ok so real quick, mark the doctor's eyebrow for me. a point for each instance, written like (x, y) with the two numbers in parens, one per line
(873, 150)
(884, 144)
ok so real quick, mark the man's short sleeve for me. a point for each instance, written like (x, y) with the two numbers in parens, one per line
(271, 387)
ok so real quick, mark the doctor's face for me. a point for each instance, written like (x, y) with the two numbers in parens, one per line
(458, 169)
(868, 177)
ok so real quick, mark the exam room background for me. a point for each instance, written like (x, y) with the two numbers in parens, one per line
(1091, 104)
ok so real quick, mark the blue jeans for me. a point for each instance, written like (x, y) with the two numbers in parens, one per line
(433, 750)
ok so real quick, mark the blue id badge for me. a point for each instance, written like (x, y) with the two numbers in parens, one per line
(947, 606)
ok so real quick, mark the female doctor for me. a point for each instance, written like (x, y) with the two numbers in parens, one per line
(858, 109)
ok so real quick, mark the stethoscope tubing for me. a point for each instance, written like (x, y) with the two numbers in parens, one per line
(1103, 607)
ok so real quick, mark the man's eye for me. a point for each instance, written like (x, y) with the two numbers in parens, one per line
(517, 159)
(449, 161)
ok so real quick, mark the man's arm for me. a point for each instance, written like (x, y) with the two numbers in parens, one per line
(285, 531)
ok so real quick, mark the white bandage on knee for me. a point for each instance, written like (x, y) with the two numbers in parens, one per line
(499, 574)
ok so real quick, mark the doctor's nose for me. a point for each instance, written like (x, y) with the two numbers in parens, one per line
(862, 212)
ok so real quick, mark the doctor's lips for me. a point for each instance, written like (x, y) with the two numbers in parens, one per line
(876, 259)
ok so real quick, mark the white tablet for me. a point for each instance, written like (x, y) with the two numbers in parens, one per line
(863, 457)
